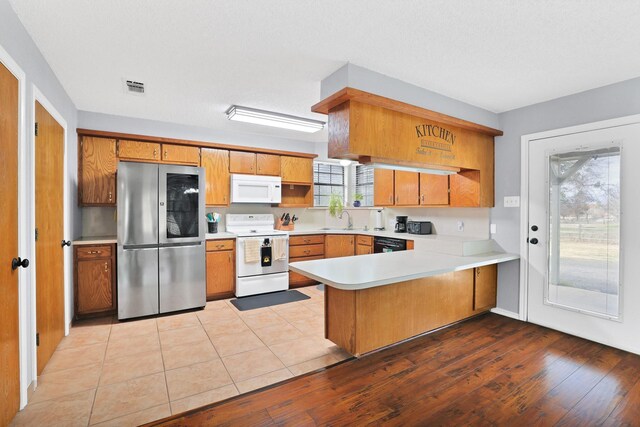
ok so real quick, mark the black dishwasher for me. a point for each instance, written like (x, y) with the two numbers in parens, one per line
(388, 244)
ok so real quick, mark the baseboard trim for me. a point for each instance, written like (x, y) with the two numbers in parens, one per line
(507, 313)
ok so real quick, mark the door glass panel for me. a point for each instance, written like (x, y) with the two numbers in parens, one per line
(584, 231)
(182, 205)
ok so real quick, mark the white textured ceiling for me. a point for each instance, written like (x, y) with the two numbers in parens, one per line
(198, 57)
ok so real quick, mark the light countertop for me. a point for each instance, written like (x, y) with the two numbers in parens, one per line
(220, 235)
(95, 240)
(368, 271)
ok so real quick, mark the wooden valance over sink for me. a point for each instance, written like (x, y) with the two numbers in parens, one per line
(373, 129)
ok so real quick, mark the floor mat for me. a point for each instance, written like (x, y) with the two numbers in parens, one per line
(267, 300)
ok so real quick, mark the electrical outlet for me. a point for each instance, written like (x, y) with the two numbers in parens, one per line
(511, 201)
(494, 229)
(460, 226)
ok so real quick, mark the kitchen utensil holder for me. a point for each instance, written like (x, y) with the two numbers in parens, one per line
(213, 227)
(280, 226)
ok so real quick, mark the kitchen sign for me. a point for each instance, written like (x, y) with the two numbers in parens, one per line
(435, 141)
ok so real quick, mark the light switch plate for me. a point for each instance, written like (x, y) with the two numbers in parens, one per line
(494, 229)
(511, 201)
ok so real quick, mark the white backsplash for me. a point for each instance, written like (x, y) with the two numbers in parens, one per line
(101, 221)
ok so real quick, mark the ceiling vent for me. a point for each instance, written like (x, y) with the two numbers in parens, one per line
(134, 88)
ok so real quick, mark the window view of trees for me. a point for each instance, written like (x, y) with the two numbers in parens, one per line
(585, 229)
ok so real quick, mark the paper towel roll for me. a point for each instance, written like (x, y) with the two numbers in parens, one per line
(379, 220)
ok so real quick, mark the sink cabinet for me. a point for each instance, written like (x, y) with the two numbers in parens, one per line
(339, 245)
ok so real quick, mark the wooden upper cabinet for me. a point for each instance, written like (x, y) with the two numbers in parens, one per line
(383, 187)
(242, 162)
(434, 189)
(216, 165)
(138, 150)
(465, 189)
(407, 186)
(296, 169)
(268, 164)
(339, 245)
(181, 154)
(98, 167)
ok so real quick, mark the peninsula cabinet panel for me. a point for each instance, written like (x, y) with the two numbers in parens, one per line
(407, 188)
(434, 189)
(364, 320)
(242, 162)
(216, 165)
(138, 151)
(97, 175)
(268, 164)
(485, 287)
(180, 154)
(383, 187)
(94, 281)
(465, 189)
(221, 274)
(339, 245)
(296, 169)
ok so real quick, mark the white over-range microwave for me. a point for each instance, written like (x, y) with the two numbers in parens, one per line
(256, 189)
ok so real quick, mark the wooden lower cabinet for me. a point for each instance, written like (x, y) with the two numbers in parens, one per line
(485, 289)
(304, 248)
(95, 280)
(364, 245)
(339, 245)
(221, 269)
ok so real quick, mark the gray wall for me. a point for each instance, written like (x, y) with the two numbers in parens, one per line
(16, 41)
(617, 100)
(108, 122)
(361, 78)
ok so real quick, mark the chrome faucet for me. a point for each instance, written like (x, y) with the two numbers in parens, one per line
(350, 222)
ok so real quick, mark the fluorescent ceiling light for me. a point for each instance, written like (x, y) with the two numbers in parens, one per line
(268, 118)
(414, 169)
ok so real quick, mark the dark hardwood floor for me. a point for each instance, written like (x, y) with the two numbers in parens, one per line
(490, 370)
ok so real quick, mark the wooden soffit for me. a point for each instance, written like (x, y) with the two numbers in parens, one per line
(351, 94)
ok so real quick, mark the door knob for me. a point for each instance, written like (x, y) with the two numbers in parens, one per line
(534, 228)
(19, 262)
(65, 243)
(533, 241)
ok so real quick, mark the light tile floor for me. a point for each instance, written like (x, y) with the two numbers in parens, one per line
(128, 373)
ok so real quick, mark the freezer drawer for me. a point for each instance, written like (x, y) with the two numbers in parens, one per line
(182, 277)
(137, 204)
(137, 282)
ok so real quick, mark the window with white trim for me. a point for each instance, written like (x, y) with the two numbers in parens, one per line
(328, 179)
(364, 184)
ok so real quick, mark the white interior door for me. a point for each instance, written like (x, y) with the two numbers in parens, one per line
(584, 256)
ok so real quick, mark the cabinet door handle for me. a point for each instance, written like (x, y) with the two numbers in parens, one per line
(165, 154)
(307, 252)
(95, 252)
(110, 195)
(390, 199)
(307, 240)
(422, 197)
(106, 266)
(477, 272)
(155, 153)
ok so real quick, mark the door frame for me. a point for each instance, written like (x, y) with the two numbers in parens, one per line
(526, 141)
(37, 95)
(23, 225)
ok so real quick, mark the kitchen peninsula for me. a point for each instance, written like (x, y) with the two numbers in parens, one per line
(373, 301)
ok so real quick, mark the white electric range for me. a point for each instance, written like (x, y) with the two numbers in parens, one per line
(253, 278)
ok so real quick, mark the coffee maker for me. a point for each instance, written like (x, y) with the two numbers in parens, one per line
(401, 224)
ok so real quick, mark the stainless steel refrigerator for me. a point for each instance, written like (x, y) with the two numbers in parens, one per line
(161, 239)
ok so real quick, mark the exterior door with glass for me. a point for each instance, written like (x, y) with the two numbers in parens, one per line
(583, 236)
